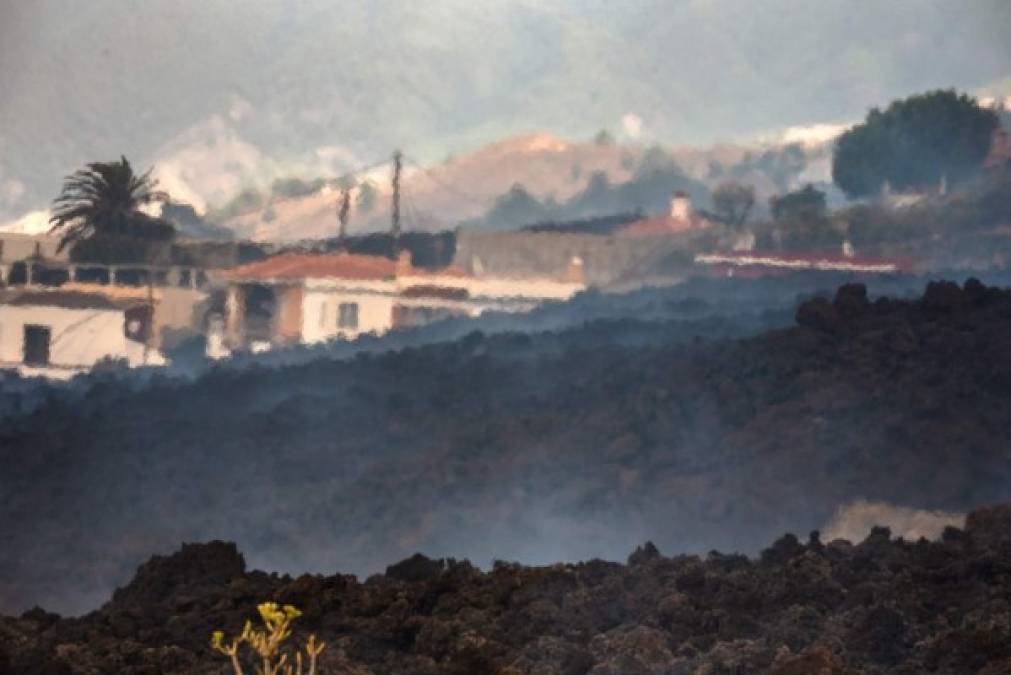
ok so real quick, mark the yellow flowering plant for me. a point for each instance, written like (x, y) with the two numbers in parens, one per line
(267, 643)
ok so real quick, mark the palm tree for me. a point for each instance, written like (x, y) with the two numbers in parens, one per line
(102, 203)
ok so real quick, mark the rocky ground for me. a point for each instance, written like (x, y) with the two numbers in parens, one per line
(801, 608)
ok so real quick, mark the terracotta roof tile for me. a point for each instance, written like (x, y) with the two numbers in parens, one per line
(327, 266)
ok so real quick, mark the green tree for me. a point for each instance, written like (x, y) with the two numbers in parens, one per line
(99, 209)
(917, 143)
(517, 207)
(804, 204)
(801, 219)
(733, 202)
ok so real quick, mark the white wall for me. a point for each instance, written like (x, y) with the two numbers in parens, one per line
(79, 338)
(320, 312)
(376, 300)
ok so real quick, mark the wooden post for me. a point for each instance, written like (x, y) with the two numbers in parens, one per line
(150, 316)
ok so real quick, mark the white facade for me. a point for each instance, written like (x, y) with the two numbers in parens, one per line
(78, 338)
(377, 307)
(680, 206)
(364, 311)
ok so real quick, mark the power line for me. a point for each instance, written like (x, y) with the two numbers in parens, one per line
(483, 203)
(362, 169)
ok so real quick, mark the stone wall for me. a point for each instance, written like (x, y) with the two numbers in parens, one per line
(608, 260)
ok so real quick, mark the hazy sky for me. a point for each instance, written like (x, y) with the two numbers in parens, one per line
(274, 86)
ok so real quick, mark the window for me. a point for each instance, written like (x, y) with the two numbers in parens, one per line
(347, 315)
(322, 314)
(36, 345)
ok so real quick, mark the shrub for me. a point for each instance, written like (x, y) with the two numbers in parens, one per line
(268, 644)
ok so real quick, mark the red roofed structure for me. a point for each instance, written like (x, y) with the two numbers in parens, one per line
(300, 297)
(329, 266)
(680, 218)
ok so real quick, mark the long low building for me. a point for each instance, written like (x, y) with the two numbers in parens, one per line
(303, 298)
(58, 333)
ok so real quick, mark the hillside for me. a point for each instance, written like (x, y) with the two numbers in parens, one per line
(551, 169)
(802, 608)
(536, 447)
(317, 88)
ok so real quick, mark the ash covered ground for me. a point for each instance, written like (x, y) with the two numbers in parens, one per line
(696, 421)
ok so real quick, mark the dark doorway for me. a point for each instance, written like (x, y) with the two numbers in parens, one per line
(261, 304)
(36, 350)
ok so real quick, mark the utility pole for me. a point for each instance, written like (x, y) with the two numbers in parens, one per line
(342, 214)
(395, 216)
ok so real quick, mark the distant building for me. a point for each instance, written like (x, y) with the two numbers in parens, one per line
(18, 252)
(300, 298)
(680, 218)
(58, 333)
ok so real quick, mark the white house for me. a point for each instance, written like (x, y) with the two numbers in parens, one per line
(300, 298)
(58, 333)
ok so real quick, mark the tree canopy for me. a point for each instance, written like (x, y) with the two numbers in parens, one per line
(801, 219)
(916, 143)
(733, 202)
(100, 207)
(807, 203)
(517, 207)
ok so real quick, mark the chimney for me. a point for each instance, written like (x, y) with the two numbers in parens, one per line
(405, 264)
(576, 273)
(680, 206)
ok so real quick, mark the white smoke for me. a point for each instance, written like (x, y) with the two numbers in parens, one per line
(33, 222)
(853, 521)
(631, 126)
(813, 134)
(208, 164)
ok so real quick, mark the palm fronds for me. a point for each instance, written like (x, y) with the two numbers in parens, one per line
(104, 199)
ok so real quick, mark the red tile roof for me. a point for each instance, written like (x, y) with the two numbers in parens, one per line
(305, 266)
